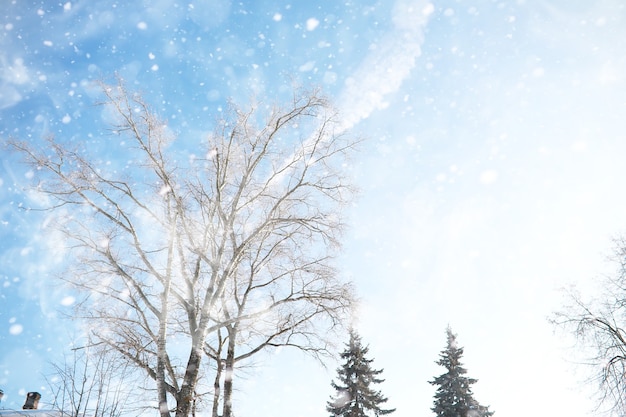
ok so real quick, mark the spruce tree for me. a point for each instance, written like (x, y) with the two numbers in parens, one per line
(454, 397)
(355, 397)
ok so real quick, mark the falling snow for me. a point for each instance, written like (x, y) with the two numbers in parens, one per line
(68, 301)
(492, 152)
(16, 329)
(312, 23)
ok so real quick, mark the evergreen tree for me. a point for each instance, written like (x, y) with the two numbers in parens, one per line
(355, 397)
(454, 397)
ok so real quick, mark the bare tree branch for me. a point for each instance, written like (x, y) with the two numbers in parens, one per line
(598, 325)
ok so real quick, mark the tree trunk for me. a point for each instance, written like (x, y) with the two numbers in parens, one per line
(228, 374)
(161, 356)
(217, 392)
(161, 389)
(186, 393)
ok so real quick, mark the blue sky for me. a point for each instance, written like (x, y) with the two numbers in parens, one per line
(492, 175)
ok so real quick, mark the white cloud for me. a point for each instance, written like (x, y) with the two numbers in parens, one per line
(209, 14)
(385, 68)
(307, 66)
(488, 177)
(9, 96)
(13, 74)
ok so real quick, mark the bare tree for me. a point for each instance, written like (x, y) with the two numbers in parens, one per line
(176, 248)
(599, 326)
(89, 383)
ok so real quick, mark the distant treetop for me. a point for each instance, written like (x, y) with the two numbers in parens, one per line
(454, 396)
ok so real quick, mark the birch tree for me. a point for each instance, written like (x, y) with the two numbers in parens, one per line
(177, 249)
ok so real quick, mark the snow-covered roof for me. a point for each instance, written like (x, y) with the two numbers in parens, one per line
(23, 413)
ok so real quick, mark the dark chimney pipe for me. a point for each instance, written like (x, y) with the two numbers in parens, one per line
(32, 401)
